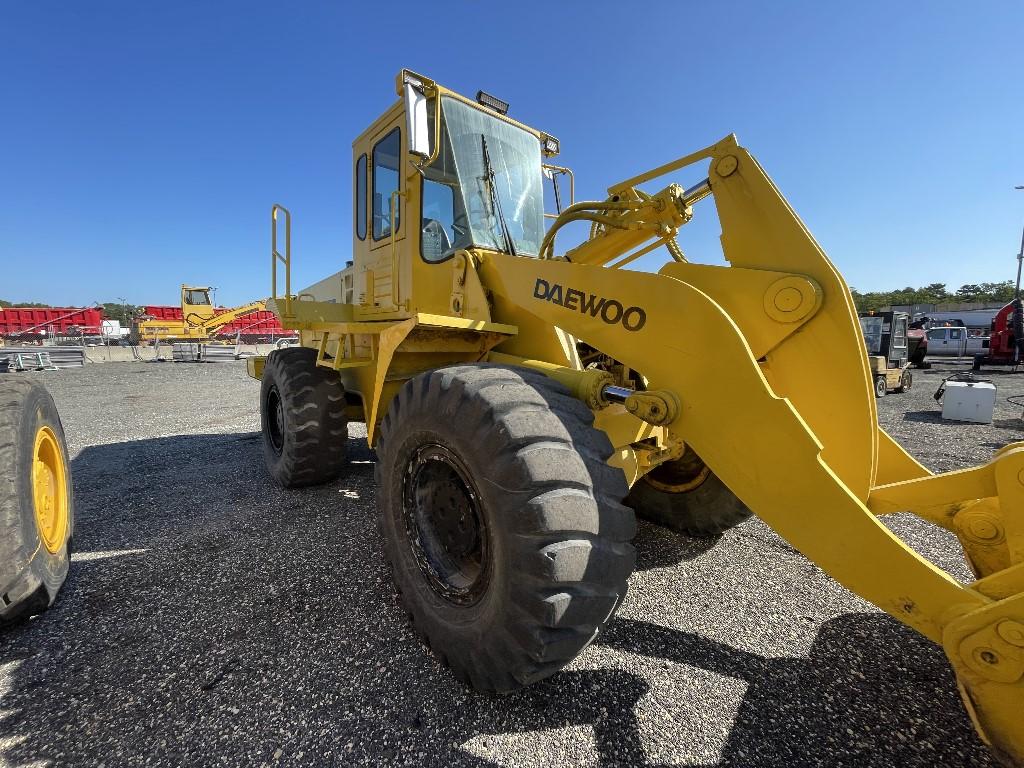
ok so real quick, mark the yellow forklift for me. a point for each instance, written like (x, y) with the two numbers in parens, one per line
(885, 335)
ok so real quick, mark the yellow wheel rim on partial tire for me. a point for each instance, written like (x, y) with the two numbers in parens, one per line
(49, 490)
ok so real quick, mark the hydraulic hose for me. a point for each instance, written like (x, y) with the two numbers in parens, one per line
(673, 248)
(588, 211)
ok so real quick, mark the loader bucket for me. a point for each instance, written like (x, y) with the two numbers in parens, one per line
(798, 441)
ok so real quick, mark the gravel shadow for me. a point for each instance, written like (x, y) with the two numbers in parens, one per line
(211, 618)
(839, 706)
(658, 547)
(925, 417)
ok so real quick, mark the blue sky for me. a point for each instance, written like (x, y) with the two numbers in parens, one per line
(144, 142)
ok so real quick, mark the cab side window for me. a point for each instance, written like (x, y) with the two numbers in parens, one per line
(385, 181)
(438, 223)
(361, 197)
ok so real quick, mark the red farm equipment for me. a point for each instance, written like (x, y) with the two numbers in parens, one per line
(36, 323)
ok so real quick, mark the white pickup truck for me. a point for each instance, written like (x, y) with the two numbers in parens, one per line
(956, 341)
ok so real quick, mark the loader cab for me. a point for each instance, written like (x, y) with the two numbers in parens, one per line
(885, 336)
(195, 303)
(434, 177)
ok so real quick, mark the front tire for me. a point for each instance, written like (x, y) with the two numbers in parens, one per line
(302, 417)
(502, 521)
(685, 496)
(906, 382)
(37, 514)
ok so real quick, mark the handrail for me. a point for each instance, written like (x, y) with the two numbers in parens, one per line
(393, 202)
(558, 170)
(276, 256)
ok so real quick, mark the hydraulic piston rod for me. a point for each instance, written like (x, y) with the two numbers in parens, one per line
(614, 394)
(697, 192)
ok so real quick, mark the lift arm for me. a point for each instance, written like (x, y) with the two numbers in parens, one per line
(797, 441)
(218, 321)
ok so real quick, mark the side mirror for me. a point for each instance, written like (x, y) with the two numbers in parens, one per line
(417, 120)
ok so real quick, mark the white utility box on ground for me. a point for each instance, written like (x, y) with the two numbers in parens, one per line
(969, 401)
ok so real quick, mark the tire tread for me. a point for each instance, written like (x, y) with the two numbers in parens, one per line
(567, 535)
(314, 402)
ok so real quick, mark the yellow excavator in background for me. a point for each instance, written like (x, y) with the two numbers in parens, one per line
(509, 470)
(199, 321)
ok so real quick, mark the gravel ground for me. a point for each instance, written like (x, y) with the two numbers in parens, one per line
(213, 619)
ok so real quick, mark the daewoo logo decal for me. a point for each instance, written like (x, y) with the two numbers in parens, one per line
(610, 311)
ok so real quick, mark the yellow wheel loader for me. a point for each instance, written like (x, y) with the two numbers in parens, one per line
(509, 470)
(199, 321)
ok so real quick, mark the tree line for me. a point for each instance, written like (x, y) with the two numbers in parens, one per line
(935, 293)
(32, 304)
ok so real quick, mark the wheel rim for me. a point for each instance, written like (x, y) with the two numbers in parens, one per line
(275, 420)
(679, 476)
(446, 528)
(49, 490)
(880, 386)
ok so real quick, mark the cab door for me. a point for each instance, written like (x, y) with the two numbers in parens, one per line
(898, 352)
(957, 341)
(379, 281)
(938, 341)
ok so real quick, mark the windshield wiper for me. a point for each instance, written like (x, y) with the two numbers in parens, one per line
(495, 202)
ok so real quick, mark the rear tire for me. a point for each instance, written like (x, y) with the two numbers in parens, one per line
(1017, 326)
(705, 509)
(302, 416)
(502, 521)
(917, 359)
(880, 386)
(36, 502)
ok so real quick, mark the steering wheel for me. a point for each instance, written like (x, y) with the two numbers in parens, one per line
(435, 229)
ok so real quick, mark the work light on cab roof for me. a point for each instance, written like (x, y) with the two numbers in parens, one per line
(492, 102)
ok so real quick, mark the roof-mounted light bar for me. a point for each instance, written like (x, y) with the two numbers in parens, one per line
(491, 102)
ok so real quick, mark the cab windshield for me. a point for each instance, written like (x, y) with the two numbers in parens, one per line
(872, 327)
(485, 187)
